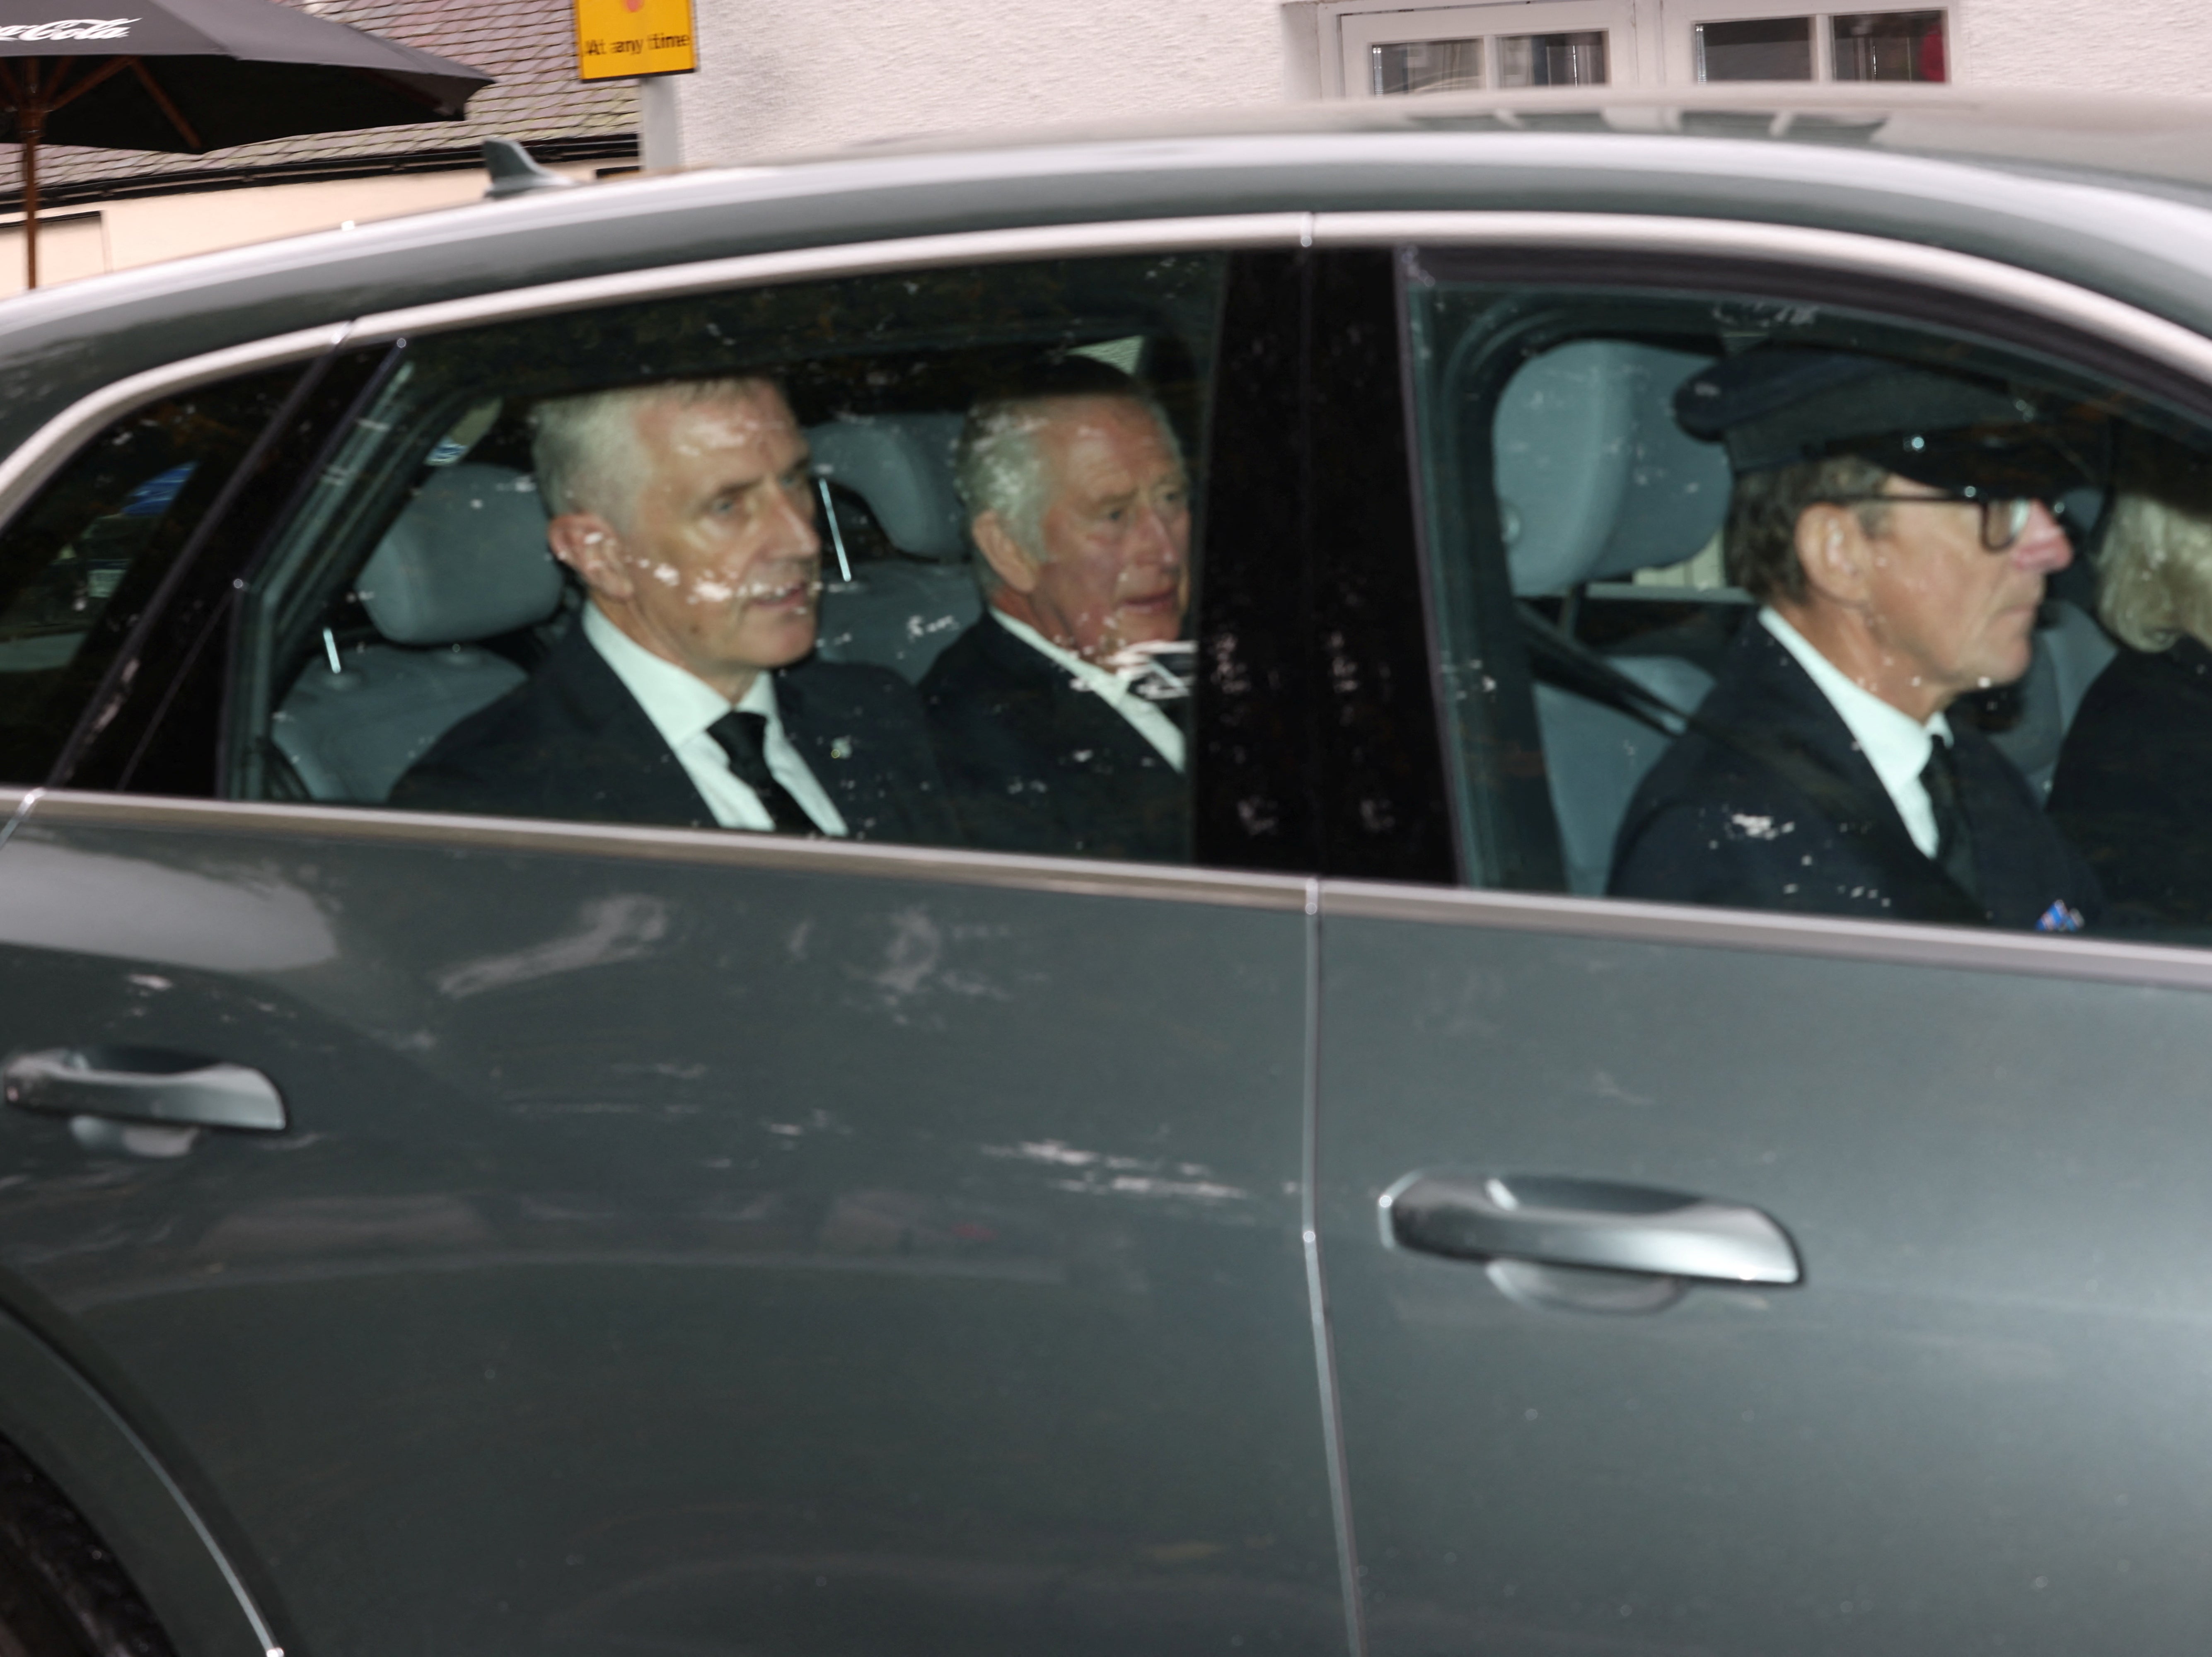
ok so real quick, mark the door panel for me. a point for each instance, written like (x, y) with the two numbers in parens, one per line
(1979, 1423)
(687, 1244)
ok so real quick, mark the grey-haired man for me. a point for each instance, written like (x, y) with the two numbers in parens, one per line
(1894, 525)
(1056, 726)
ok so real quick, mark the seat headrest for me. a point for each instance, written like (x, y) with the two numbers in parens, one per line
(1594, 479)
(466, 560)
(902, 466)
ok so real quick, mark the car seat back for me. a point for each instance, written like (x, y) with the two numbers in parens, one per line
(899, 612)
(465, 560)
(1595, 480)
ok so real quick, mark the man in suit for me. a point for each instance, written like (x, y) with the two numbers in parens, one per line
(1058, 723)
(687, 693)
(1893, 523)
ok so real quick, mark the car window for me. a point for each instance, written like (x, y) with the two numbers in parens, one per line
(905, 558)
(1806, 609)
(82, 562)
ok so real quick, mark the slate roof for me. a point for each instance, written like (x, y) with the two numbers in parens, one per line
(528, 45)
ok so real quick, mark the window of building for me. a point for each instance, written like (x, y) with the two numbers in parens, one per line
(1715, 40)
(1371, 50)
(1571, 43)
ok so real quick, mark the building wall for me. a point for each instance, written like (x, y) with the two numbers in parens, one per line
(776, 80)
(2153, 46)
(841, 71)
(119, 234)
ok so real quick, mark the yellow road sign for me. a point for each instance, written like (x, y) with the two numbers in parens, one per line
(617, 39)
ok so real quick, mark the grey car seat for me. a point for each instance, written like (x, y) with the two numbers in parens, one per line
(897, 613)
(465, 560)
(1595, 481)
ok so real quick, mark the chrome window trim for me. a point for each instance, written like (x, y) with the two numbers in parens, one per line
(706, 848)
(47, 450)
(1897, 943)
(846, 259)
(1851, 251)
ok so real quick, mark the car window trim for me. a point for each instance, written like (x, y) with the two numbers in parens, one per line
(1227, 232)
(1966, 275)
(27, 471)
(700, 848)
(1845, 252)
(2088, 957)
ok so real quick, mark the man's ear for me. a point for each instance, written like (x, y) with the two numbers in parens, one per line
(590, 545)
(1003, 553)
(1833, 551)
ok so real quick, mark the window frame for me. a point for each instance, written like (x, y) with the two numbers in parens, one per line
(2035, 315)
(1351, 28)
(1680, 18)
(1660, 50)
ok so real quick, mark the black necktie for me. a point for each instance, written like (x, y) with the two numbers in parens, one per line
(1955, 840)
(740, 736)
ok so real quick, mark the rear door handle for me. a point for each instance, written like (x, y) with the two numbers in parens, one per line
(144, 1084)
(1593, 1224)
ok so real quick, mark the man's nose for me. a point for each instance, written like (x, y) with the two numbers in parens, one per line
(794, 530)
(2042, 548)
(1157, 542)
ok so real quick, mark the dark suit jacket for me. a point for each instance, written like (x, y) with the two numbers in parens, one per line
(2134, 787)
(571, 743)
(1712, 824)
(1035, 762)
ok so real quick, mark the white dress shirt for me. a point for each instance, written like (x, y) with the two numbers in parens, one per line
(681, 707)
(1119, 689)
(1895, 744)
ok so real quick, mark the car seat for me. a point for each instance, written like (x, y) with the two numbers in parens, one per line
(465, 561)
(1594, 481)
(898, 612)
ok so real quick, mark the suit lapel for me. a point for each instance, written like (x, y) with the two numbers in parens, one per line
(1796, 731)
(642, 772)
(1079, 717)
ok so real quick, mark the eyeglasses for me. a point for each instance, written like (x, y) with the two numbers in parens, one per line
(2004, 522)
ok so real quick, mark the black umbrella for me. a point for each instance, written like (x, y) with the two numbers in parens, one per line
(199, 75)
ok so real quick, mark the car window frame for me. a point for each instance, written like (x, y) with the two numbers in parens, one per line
(388, 334)
(2089, 332)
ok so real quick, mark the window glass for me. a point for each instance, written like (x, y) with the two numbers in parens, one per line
(1889, 45)
(1804, 608)
(1425, 66)
(80, 562)
(1754, 49)
(1576, 59)
(903, 558)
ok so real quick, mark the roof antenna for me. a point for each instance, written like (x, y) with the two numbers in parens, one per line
(513, 172)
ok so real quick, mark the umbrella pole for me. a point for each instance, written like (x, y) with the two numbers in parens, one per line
(30, 200)
(31, 123)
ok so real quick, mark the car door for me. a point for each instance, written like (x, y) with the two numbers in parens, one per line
(620, 1235)
(1916, 1355)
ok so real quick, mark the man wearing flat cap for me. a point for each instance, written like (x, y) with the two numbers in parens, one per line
(1894, 523)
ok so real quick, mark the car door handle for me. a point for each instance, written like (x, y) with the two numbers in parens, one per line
(1592, 1223)
(144, 1084)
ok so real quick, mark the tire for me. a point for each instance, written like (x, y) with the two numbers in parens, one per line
(62, 1592)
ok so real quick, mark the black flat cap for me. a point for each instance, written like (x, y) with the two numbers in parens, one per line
(1779, 404)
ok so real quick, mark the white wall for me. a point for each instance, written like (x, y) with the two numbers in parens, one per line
(117, 235)
(777, 78)
(2159, 46)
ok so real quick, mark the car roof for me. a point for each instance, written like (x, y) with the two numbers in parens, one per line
(2116, 195)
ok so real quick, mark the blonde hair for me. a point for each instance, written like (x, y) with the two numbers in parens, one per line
(2154, 569)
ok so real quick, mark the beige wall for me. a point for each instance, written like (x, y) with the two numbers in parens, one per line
(117, 235)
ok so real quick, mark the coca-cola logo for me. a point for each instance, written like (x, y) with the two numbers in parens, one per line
(70, 28)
